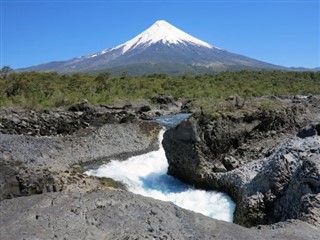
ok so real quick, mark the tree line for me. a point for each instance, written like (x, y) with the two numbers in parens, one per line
(50, 89)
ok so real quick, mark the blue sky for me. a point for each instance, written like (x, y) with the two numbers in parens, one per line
(280, 32)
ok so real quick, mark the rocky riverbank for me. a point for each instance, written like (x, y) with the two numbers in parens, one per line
(46, 151)
(82, 116)
(271, 177)
(44, 194)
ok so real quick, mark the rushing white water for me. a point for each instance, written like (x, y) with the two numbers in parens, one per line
(146, 175)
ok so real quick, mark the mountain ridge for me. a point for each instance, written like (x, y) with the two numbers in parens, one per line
(160, 43)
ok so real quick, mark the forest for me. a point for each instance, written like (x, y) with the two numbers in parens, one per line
(38, 90)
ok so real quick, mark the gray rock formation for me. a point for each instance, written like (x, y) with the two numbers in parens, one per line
(122, 215)
(283, 186)
(226, 142)
(79, 116)
(84, 147)
(45, 196)
(40, 150)
(33, 165)
(219, 154)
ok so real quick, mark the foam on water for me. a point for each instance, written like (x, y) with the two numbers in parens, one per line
(146, 175)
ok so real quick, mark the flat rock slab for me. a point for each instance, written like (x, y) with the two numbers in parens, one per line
(114, 214)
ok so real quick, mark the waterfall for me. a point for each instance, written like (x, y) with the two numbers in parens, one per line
(147, 175)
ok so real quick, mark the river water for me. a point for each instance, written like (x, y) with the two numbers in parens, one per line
(147, 175)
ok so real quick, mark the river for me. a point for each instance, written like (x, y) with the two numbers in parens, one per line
(147, 175)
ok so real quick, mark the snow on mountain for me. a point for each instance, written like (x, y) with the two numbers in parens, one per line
(162, 31)
(163, 45)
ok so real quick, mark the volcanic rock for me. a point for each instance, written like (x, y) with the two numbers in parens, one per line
(272, 177)
(122, 215)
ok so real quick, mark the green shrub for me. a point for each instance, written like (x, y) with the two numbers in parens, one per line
(45, 90)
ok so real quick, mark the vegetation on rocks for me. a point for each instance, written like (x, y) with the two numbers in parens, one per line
(109, 182)
(43, 90)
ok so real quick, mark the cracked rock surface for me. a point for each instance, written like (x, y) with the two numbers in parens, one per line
(117, 214)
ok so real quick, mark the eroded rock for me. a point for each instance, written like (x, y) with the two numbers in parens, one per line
(270, 177)
(36, 165)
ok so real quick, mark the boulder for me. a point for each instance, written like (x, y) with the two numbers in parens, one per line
(307, 131)
(145, 108)
(84, 106)
(162, 99)
(231, 163)
(186, 106)
(287, 183)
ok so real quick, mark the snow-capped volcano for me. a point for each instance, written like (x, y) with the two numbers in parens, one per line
(161, 45)
(162, 32)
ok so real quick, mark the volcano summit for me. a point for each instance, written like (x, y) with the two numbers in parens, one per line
(162, 48)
